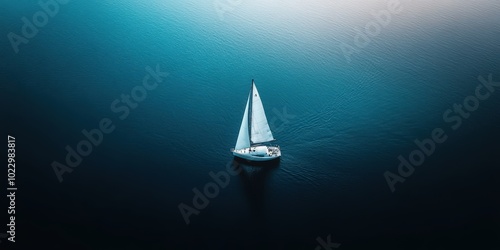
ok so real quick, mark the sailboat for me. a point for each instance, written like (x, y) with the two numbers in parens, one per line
(255, 132)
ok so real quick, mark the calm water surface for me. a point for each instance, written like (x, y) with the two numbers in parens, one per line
(340, 124)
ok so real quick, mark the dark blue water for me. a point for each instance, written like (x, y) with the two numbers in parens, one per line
(341, 122)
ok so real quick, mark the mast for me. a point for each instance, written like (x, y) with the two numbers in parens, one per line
(250, 113)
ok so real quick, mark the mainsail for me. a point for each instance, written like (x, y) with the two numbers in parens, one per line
(259, 128)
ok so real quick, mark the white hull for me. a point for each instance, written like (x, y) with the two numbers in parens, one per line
(258, 153)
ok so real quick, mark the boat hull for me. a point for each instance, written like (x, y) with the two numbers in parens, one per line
(258, 153)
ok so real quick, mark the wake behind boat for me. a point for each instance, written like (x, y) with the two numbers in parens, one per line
(255, 132)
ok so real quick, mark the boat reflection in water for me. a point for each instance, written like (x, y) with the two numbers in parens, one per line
(254, 177)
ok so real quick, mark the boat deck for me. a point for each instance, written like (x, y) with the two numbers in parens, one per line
(259, 151)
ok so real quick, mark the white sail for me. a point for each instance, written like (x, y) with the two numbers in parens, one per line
(243, 137)
(260, 131)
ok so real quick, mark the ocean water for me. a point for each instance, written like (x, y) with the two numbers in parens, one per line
(340, 118)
